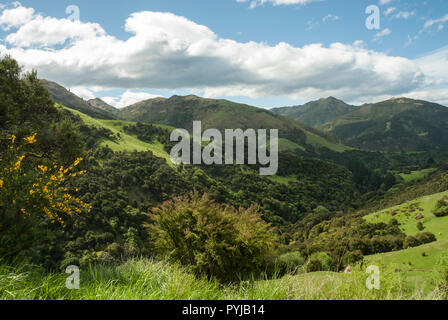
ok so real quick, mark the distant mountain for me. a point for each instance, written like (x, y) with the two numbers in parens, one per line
(316, 113)
(63, 96)
(180, 112)
(395, 125)
(100, 104)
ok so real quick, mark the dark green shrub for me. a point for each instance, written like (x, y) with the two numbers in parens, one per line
(426, 237)
(314, 265)
(290, 262)
(352, 257)
(420, 226)
(410, 242)
(441, 208)
(326, 262)
(216, 241)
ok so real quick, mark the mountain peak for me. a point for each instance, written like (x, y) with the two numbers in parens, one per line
(64, 97)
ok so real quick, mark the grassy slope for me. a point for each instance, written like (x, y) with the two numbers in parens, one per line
(416, 175)
(421, 263)
(180, 112)
(149, 280)
(394, 125)
(126, 141)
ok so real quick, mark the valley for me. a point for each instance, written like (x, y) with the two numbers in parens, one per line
(355, 187)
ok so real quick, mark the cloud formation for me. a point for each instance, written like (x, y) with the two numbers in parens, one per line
(166, 51)
(128, 98)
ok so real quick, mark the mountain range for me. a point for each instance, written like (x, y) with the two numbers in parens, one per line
(316, 113)
(395, 125)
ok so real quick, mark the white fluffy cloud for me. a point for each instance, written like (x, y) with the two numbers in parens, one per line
(128, 98)
(82, 92)
(165, 51)
(15, 17)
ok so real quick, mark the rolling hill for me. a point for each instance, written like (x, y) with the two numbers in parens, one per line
(316, 113)
(64, 97)
(395, 125)
(125, 141)
(421, 261)
(100, 104)
(180, 112)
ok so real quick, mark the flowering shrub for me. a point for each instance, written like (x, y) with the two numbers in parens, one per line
(36, 190)
(32, 193)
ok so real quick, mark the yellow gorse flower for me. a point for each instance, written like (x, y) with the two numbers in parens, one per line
(77, 161)
(31, 139)
(18, 163)
(45, 193)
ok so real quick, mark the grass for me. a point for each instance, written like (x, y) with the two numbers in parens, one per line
(283, 180)
(416, 175)
(319, 142)
(151, 280)
(126, 142)
(407, 213)
(422, 262)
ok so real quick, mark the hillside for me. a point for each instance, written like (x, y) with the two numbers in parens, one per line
(122, 140)
(395, 125)
(100, 104)
(180, 112)
(422, 262)
(64, 97)
(316, 113)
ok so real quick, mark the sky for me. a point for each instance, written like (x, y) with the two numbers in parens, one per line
(267, 53)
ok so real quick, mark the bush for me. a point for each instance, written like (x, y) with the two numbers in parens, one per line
(419, 239)
(33, 197)
(290, 262)
(216, 241)
(420, 226)
(410, 242)
(314, 265)
(441, 208)
(352, 257)
(326, 262)
(426, 237)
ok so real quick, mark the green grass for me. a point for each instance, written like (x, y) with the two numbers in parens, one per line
(284, 180)
(407, 217)
(416, 175)
(126, 142)
(288, 145)
(319, 142)
(420, 262)
(151, 280)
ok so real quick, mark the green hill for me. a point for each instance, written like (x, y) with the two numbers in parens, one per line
(122, 140)
(316, 113)
(100, 104)
(64, 97)
(423, 258)
(180, 112)
(395, 125)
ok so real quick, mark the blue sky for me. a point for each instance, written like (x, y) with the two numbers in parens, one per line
(261, 52)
